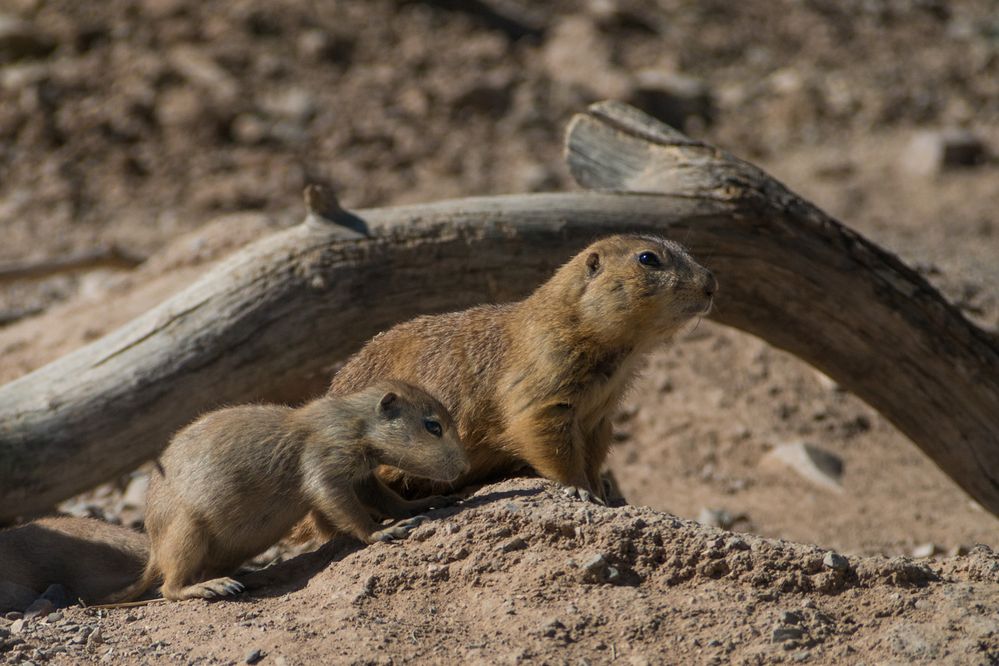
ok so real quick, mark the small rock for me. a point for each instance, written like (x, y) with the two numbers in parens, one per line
(41, 606)
(925, 550)
(17, 626)
(95, 637)
(810, 462)
(932, 152)
(791, 617)
(296, 105)
(20, 39)
(958, 551)
(597, 570)
(438, 572)
(53, 617)
(254, 656)
(516, 543)
(720, 518)
(14, 615)
(781, 634)
(201, 70)
(835, 561)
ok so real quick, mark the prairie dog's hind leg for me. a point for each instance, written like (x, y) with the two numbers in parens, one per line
(184, 559)
(209, 589)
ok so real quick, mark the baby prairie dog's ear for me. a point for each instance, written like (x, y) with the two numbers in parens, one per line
(387, 402)
(592, 264)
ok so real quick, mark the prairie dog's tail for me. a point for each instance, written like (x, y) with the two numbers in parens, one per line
(149, 576)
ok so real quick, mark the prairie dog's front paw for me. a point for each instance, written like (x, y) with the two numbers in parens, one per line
(583, 494)
(399, 530)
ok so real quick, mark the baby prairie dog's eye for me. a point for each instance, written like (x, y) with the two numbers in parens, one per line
(650, 259)
(433, 427)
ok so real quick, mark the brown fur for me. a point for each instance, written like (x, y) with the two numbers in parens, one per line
(536, 382)
(233, 482)
(89, 557)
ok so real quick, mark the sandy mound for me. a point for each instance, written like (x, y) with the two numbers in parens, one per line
(520, 572)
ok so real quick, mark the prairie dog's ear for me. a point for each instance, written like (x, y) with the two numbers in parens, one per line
(593, 264)
(387, 401)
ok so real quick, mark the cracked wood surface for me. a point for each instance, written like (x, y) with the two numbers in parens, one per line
(271, 321)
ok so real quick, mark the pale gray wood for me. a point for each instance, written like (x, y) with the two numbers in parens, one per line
(270, 322)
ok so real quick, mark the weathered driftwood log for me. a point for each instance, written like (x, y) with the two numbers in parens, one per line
(269, 320)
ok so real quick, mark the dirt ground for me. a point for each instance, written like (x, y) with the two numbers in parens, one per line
(181, 130)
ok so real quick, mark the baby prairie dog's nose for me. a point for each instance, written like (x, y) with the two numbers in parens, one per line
(710, 284)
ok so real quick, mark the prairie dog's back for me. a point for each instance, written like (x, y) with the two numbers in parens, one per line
(457, 357)
(235, 469)
(89, 557)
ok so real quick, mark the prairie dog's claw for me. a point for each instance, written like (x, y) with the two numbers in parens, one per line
(583, 494)
(399, 530)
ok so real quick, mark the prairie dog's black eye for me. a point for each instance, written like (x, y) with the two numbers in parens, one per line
(433, 427)
(650, 259)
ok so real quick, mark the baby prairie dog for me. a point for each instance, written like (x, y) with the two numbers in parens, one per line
(232, 483)
(536, 382)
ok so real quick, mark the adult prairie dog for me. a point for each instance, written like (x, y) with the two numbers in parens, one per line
(536, 382)
(89, 557)
(232, 483)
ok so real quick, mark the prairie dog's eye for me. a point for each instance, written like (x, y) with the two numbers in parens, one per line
(433, 427)
(650, 259)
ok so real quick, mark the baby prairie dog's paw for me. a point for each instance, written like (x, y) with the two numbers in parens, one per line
(215, 588)
(399, 530)
(583, 494)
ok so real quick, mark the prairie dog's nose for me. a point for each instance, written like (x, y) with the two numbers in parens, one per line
(710, 284)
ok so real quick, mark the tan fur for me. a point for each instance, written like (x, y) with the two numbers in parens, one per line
(235, 481)
(536, 382)
(89, 557)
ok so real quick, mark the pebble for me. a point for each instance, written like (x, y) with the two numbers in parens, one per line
(931, 152)
(296, 105)
(835, 561)
(721, 518)
(52, 618)
(254, 656)
(781, 634)
(817, 465)
(200, 69)
(516, 543)
(17, 626)
(925, 550)
(597, 570)
(791, 617)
